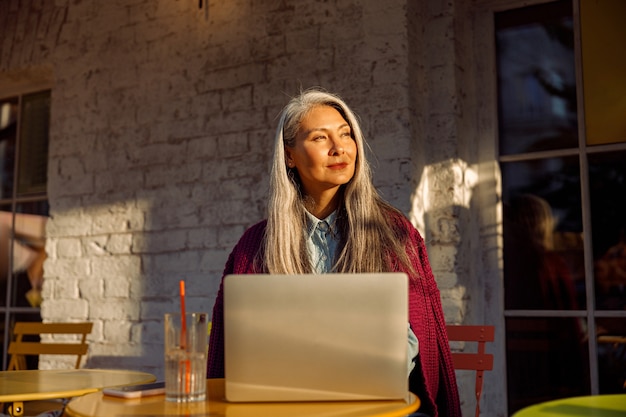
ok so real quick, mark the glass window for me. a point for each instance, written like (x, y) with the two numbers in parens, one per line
(8, 138)
(536, 78)
(543, 246)
(564, 233)
(29, 253)
(33, 153)
(603, 33)
(562, 155)
(611, 354)
(24, 124)
(547, 207)
(607, 187)
(548, 357)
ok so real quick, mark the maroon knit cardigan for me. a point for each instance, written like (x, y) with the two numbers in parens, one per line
(433, 378)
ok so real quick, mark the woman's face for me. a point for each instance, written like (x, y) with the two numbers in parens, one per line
(324, 152)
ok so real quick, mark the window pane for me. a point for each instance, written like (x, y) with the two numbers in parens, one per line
(536, 78)
(603, 33)
(607, 182)
(29, 253)
(546, 359)
(24, 123)
(33, 157)
(8, 132)
(543, 250)
(612, 354)
(6, 221)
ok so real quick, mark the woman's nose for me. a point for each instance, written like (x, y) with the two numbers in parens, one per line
(337, 147)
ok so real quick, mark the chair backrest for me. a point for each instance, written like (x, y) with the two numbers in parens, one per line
(19, 348)
(479, 361)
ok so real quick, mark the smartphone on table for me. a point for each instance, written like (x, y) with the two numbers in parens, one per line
(136, 391)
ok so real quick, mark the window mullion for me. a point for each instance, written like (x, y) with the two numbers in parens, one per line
(586, 209)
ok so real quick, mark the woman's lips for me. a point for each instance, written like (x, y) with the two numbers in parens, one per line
(339, 166)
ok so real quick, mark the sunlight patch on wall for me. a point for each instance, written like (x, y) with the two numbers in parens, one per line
(444, 184)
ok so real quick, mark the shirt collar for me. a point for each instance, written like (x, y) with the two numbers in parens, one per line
(313, 221)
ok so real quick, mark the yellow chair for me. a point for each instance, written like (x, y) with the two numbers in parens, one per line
(479, 361)
(19, 348)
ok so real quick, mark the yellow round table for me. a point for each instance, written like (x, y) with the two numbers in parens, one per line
(100, 405)
(19, 386)
(612, 405)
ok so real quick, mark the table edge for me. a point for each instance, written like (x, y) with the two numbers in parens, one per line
(8, 398)
(412, 404)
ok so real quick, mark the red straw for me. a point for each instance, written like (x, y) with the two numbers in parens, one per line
(183, 337)
(183, 317)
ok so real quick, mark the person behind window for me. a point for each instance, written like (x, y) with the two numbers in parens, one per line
(536, 276)
(324, 215)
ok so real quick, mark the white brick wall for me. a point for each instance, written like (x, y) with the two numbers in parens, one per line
(161, 134)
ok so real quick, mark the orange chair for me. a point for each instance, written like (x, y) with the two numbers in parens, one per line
(479, 361)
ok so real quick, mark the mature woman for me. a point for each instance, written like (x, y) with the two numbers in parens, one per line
(324, 215)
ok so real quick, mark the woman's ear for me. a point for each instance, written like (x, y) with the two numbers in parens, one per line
(288, 159)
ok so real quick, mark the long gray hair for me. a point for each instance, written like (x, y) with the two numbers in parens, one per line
(367, 238)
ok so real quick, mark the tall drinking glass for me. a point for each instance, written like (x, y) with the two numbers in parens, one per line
(186, 356)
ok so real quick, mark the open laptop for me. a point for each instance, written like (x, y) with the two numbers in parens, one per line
(315, 337)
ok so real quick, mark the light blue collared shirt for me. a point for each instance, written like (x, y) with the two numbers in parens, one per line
(322, 242)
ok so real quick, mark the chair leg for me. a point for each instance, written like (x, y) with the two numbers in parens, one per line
(16, 409)
(479, 390)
